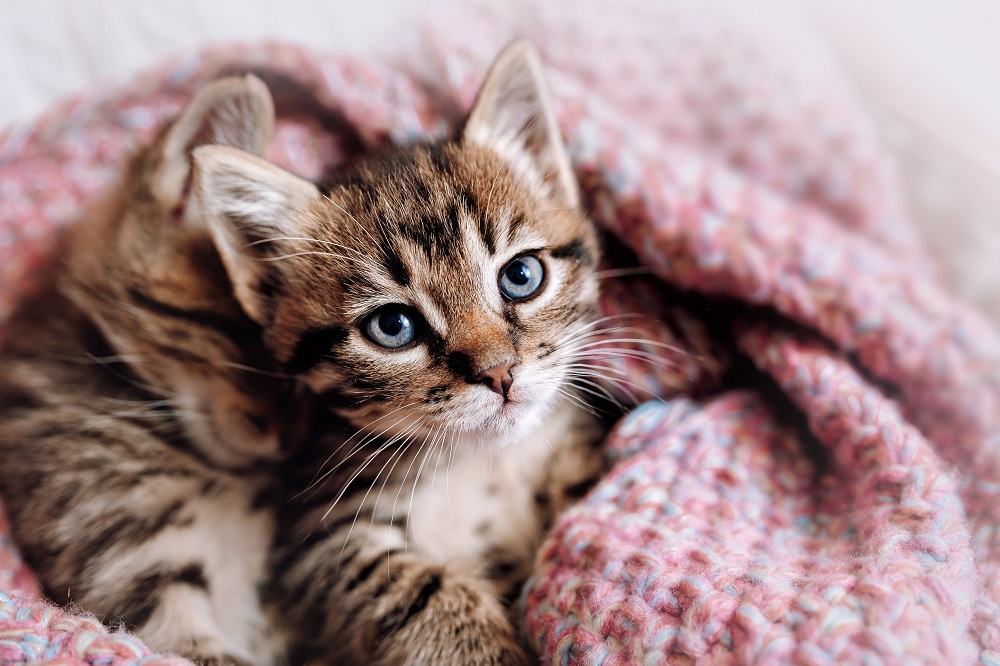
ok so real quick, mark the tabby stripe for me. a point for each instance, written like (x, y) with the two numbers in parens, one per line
(574, 250)
(515, 224)
(232, 329)
(142, 597)
(367, 570)
(398, 618)
(129, 531)
(193, 575)
(295, 553)
(486, 233)
(17, 398)
(313, 347)
(138, 603)
(394, 265)
(439, 158)
(580, 488)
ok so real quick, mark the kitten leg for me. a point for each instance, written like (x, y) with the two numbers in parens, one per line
(365, 598)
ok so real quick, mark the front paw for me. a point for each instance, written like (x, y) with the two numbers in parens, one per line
(444, 619)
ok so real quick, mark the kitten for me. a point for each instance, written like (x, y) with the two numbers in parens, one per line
(135, 399)
(435, 299)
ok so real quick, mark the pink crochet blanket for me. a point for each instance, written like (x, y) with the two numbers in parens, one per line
(738, 168)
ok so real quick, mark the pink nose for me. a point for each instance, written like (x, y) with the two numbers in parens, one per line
(498, 377)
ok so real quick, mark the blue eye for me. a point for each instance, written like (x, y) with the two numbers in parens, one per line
(521, 278)
(391, 326)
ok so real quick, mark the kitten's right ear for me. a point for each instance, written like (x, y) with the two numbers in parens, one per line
(237, 111)
(513, 116)
(252, 208)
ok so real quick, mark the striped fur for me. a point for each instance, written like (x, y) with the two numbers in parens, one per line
(135, 401)
(401, 529)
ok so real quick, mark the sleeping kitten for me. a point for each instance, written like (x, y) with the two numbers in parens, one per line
(437, 299)
(433, 297)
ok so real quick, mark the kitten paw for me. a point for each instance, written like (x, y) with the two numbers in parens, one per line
(445, 619)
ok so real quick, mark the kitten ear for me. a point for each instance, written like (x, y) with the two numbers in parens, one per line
(250, 206)
(237, 111)
(513, 116)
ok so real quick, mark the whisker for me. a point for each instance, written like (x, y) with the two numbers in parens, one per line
(304, 253)
(320, 475)
(577, 379)
(416, 480)
(358, 471)
(619, 380)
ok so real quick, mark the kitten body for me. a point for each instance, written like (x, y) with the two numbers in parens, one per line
(401, 530)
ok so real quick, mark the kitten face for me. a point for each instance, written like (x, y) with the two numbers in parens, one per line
(429, 290)
(152, 280)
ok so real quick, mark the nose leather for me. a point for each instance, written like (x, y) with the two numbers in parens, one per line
(498, 377)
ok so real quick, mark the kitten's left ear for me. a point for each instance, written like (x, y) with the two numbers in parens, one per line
(252, 208)
(513, 116)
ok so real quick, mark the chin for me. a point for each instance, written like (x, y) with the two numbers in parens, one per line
(516, 419)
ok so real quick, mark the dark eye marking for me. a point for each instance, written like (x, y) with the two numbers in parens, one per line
(460, 364)
(312, 348)
(371, 384)
(515, 336)
(435, 345)
(510, 314)
(574, 250)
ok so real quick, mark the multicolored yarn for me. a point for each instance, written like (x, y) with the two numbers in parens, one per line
(735, 163)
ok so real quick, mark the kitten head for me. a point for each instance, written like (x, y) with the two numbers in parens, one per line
(433, 287)
(148, 274)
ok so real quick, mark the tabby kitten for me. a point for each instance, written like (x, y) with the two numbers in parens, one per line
(135, 400)
(436, 299)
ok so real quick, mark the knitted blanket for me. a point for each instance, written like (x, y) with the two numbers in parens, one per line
(840, 506)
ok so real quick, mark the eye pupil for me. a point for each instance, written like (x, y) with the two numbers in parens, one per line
(519, 273)
(392, 323)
